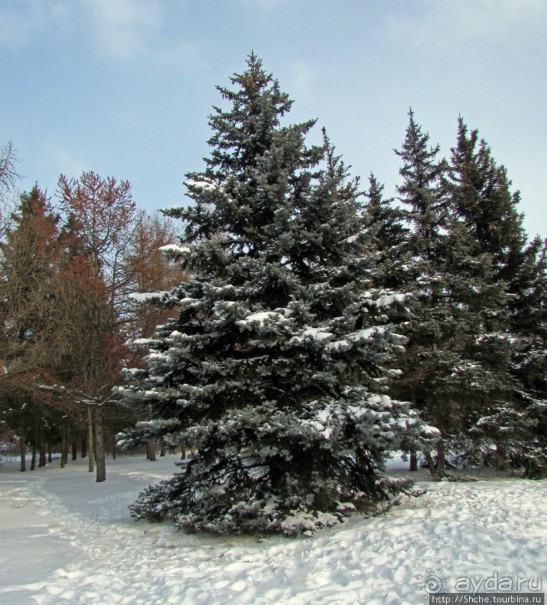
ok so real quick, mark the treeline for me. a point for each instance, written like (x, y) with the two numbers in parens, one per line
(475, 360)
(325, 327)
(67, 269)
(454, 272)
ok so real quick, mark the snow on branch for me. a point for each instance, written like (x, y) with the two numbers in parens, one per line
(147, 297)
(204, 184)
(173, 248)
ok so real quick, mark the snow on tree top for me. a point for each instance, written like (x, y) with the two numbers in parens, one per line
(201, 184)
(175, 248)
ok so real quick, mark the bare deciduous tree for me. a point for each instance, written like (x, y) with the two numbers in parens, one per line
(8, 179)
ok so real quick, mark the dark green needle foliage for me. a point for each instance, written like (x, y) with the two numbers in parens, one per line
(511, 348)
(274, 370)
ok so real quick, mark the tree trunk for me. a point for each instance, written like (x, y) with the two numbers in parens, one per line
(33, 456)
(99, 447)
(441, 463)
(437, 469)
(43, 453)
(431, 465)
(501, 457)
(64, 448)
(413, 455)
(23, 446)
(90, 448)
(151, 450)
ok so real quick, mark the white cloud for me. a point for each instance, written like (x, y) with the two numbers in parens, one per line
(302, 78)
(439, 24)
(126, 30)
(133, 30)
(123, 28)
(27, 20)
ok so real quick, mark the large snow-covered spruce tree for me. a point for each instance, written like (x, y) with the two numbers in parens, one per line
(273, 372)
(511, 347)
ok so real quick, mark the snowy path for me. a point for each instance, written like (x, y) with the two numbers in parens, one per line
(76, 543)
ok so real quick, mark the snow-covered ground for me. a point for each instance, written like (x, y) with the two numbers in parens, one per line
(66, 539)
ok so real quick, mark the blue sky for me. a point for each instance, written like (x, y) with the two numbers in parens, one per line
(124, 87)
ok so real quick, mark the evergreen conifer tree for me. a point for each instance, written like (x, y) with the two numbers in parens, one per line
(387, 231)
(444, 273)
(530, 362)
(481, 196)
(274, 370)
(428, 360)
(511, 347)
(529, 319)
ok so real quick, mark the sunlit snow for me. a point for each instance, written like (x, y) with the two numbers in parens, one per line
(65, 539)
